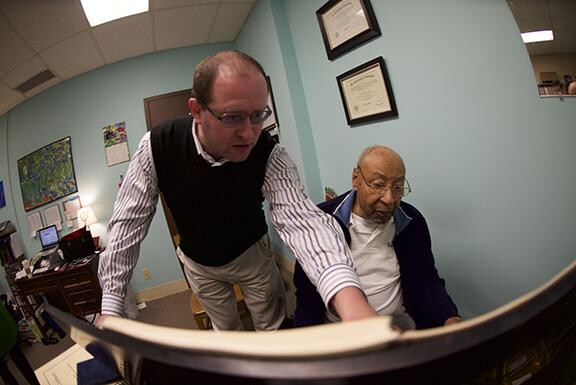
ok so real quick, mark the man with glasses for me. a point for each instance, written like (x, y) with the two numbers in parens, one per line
(391, 248)
(214, 169)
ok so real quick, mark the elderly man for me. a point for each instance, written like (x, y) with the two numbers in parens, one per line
(391, 249)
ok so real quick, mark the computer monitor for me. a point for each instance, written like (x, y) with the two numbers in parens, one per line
(48, 237)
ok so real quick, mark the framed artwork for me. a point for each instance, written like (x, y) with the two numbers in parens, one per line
(47, 174)
(346, 24)
(366, 92)
(2, 196)
(271, 124)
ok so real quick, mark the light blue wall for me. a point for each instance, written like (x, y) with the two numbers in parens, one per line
(266, 37)
(80, 108)
(491, 163)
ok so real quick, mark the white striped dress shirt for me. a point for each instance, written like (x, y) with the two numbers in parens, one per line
(313, 236)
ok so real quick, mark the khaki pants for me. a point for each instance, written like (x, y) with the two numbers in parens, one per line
(256, 273)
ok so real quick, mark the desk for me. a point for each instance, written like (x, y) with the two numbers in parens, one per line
(75, 290)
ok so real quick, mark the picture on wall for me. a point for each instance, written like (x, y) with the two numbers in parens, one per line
(116, 143)
(47, 174)
(346, 24)
(2, 197)
(366, 93)
(272, 124)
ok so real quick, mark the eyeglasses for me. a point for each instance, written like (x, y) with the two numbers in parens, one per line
(398, 191)
(237, 119)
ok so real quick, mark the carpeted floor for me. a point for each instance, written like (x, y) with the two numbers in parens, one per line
(171, 311)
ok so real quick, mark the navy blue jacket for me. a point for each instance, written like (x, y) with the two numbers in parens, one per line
(425, 297)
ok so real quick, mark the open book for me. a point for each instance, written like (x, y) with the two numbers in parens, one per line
(529, 340)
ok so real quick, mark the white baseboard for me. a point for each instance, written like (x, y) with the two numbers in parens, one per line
(161, 291)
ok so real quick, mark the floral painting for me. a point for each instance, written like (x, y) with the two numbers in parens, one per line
(47, 174)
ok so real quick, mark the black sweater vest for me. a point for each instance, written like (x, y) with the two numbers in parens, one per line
(217, 210)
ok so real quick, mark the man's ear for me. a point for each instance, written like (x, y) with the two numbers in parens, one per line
(195, 107)
(355, 179)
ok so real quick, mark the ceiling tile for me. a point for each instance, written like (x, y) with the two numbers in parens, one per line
(529, 25)
(28, 69)
(229, 21)
(540, 48)
(125, 38)
(13, 50)
(8, 98)
(565, 34)
(164, 4)
(565, 22)
(531, 10)
(180, 27)
(562, 7)
(566, 45)
(73, 56)
(515, 2)
(43, 23)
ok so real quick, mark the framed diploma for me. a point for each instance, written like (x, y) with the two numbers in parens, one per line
(366, 92)
(345, 24)
(271, 124)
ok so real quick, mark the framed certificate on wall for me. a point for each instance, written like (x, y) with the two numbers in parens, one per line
(367, 93)
(346, 24)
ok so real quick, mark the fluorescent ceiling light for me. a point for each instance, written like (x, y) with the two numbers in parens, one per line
(102, 11)
(532, 37)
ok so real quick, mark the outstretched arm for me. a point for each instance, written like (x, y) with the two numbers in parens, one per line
(133, 211)
(314, 237)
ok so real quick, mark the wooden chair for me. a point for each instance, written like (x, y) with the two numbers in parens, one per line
(200, 316)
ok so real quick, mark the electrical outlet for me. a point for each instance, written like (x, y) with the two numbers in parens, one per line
(147, 274)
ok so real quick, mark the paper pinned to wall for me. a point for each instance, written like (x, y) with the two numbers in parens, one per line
(52, 216)
(116, 144)
(34, 223)
(71, 207)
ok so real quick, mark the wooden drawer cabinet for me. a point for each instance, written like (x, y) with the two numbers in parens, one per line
(75, 290)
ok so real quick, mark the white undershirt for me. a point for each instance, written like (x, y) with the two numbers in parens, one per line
(376, 263)
(377, 266)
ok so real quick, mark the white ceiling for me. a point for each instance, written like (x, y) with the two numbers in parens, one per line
(54, 35)
(557, 15)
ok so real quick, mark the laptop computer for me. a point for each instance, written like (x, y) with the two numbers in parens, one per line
(48, 240)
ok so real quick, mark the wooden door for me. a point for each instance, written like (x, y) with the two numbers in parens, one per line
(159, 109)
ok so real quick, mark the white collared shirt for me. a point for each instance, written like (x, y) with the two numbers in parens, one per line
(376, 263)
(207, 157)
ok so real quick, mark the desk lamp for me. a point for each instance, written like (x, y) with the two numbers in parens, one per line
(86, 218)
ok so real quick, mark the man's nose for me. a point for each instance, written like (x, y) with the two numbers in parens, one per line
(387, 197)
(247, 129)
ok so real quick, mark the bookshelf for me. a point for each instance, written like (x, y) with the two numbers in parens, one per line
(11, 257)
(545, 89)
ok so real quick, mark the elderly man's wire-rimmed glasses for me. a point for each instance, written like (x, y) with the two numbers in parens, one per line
(237, 119)
(398, 191)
